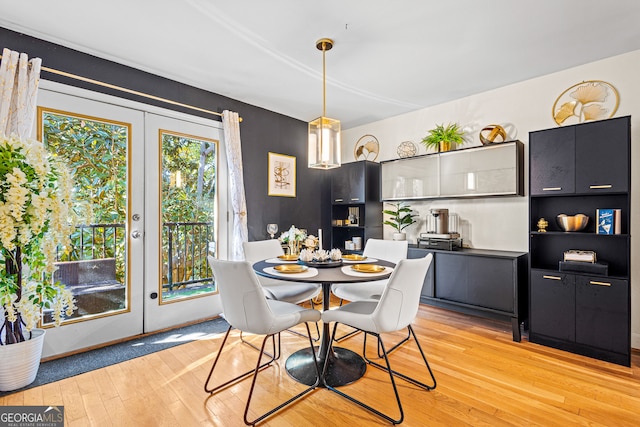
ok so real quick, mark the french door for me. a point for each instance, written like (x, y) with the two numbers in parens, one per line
(127, 162)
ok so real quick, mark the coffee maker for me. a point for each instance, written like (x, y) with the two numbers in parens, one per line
(442, 231)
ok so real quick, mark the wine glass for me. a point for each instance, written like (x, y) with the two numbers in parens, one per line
(272, 229)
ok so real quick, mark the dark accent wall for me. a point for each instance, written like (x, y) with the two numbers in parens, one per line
(261, 130)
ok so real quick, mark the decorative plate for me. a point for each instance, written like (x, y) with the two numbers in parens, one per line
(288, 257)
(291, 268)
(323, 264)
(582, 102)
(354, 257)
(367, 268)
(367, 148)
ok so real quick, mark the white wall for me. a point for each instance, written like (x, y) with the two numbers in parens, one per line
(502, 223)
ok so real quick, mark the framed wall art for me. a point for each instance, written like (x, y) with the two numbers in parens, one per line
(282, 175)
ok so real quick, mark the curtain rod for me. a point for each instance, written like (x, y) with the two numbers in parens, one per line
(130, 91)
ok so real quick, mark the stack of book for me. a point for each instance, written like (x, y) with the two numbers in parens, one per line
(583, 262)
(608, 221)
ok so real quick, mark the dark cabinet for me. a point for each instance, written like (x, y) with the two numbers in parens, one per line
(348, 183)
(552, 161)
(581, 159)
(428, 287)
(603, 156)
(577, 311)
(356, 210)
(553, 310)
(481, 282)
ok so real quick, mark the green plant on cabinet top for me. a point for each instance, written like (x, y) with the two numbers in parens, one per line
(442, 137)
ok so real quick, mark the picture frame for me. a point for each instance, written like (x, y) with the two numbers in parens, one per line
(282, 175)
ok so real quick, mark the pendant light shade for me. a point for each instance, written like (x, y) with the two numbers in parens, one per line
(324, 133)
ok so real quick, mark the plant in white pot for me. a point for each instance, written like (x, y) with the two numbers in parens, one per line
(36, 217)
(401, 217)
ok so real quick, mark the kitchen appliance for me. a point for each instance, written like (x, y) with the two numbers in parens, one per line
(441, 220)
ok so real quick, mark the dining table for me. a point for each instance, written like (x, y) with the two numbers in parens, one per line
(344, 366)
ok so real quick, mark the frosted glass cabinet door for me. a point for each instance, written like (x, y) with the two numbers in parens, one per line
(406, 179)
(489, 170)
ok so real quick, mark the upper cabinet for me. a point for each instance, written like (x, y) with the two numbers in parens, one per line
(487, 171)
(348, 183)
(581, 159)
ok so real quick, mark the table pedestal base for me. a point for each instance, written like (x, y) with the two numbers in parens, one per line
(345, 367)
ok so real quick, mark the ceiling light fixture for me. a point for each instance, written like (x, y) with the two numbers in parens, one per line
(324, 133)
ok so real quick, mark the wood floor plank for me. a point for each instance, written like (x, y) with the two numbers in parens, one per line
(484, 379)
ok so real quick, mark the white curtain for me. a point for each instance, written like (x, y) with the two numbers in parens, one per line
(19, 80)
(231, 124)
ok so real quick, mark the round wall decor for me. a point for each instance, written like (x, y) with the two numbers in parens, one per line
(407, 149)
(367, 148)
(582, 102)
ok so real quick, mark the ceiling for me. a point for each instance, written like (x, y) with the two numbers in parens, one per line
(388, 58)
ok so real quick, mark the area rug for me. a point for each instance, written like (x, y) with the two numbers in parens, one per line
(80, 363)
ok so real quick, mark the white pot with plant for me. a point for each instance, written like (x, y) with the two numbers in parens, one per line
(443, 138)
(36, 216)
(401, 216)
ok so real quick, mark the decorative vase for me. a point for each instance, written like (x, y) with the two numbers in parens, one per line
(400, 236)
(294, 247)
(445, 146)
(20, 361)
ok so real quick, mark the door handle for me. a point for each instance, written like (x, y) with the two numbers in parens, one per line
(593, 282)
(552, 277)
(135, 234)
(596, 187)
(552, 189)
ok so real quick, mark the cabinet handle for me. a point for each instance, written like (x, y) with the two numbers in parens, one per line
(355, 199)
(552, 189)
(552, 277)
(592, 282)
(339, 200)
(593, 187)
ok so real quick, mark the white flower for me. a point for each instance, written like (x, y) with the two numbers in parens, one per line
(35, 216)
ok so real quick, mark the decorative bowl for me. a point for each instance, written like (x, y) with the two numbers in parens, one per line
(572, 223)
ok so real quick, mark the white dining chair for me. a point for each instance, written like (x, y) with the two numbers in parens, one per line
(388, 250)
(274, 289)
(280, 290)
(395, 310)
(246, 309)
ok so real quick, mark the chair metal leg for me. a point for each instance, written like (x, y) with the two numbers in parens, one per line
(398, 344)
(396, 373)
(241, 376)
(348, 334)
(274, 356)
(362, 404)
(287, 402)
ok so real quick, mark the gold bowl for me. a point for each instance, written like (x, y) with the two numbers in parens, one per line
(572, 223)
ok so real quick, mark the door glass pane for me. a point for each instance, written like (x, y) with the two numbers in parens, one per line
(188, 209)
(96, 151)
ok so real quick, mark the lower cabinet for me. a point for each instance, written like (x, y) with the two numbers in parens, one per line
(481, 282)
(588, 315)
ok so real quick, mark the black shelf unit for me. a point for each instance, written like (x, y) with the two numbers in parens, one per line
(356, 185)
(579, 169)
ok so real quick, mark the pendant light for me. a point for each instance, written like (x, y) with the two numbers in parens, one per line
(324, 133)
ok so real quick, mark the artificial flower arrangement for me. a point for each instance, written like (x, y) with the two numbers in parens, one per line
(295, 238)
(36, 216)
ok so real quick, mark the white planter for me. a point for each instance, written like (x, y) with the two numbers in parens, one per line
(20, 362)
(400, 236)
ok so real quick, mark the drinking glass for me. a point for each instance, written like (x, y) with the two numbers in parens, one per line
(272, 229)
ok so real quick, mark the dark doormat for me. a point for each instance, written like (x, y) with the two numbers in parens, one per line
(65, 367)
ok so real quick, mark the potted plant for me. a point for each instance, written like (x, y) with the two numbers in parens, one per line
(401, 218)
(443, 137)
(35, 213)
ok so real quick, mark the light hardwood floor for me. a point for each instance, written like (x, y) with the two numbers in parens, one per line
(484, 379)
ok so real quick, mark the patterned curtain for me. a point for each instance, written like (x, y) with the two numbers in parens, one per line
(231, 124)
(19, 80)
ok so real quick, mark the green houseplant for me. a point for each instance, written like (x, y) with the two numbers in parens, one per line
(401, 217)
(443, 137)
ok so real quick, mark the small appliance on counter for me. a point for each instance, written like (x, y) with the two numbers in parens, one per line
(441, 231)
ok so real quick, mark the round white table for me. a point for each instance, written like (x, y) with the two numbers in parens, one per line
(344, 365)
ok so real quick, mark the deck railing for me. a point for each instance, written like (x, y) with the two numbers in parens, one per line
(184, 256)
